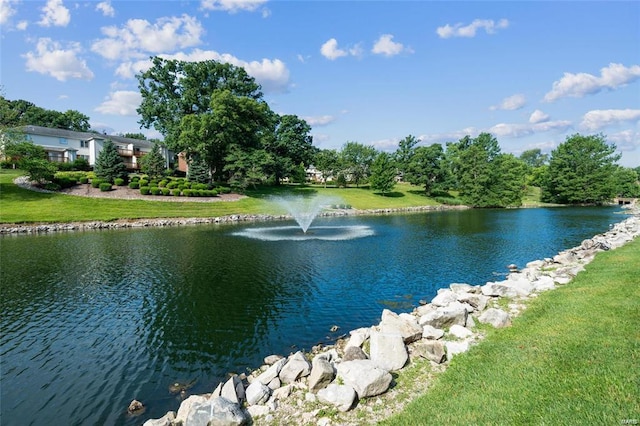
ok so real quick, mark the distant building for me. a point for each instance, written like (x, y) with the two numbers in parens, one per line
(65, 146)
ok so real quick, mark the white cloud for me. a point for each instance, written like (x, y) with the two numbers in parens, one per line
(449, 136)
(22, 25)
(331, 51)
(321, 120)
(233, 6)
(511, 103)
(516, 130)
(63, 64)
(538, 116)
(121, 102)
(6, 11)
(138, 38)
(386, 145)
(387, 47)
(54, 13)
(597, 119)
(461, 30)
(106, 8)
(627, 140)
(581, 84)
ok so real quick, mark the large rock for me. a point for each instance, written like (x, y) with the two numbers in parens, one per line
(508, 288)
(444, 317)
(364, 377)
(353, 352)
(272, 372)
(478, 301)
(388, 350)
(432, 333)
(257, 393)
(463, 288)
(358, 337)
(496, 317)
(444, 297)
(455, 348)
(233, 390)
(272, 359)
(296, 367)
(258, 411)
(216, 412)
(165, 420)
(433, 350)
(282, 393)
(407, 326)
(544, 283)
(341, 396)
(187, 405)
(322, 373)
(460, 332)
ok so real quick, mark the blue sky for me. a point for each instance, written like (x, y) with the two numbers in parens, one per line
(374, 72)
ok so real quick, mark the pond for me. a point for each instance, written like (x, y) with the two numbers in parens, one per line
(92, 320)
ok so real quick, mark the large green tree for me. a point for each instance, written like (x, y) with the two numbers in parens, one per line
(109, 165)
(27, 156)
(153, 164)
(356, 160)
(291, 144)
(383, 173)
(405, 152)
(426, 167)
(627, 182)
(22, 113)
(327, 162)
(581, 171)
(172, 90)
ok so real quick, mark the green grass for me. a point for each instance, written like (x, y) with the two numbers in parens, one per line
(572, 357)
(18, 205)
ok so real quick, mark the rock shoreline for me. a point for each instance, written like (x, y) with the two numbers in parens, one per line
(348, 382)
(170, 222)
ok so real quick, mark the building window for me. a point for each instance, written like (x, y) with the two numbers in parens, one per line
(84, 144)
(62, 141)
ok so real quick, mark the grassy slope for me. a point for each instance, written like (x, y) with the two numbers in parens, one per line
(19, 205)
(573, 357)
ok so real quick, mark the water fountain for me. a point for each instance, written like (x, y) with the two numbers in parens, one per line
(304, 210)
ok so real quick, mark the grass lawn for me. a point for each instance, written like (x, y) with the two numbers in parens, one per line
(572, 358)
(18, 205)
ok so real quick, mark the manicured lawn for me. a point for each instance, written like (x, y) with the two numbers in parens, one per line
(573, 357)
(19, 205)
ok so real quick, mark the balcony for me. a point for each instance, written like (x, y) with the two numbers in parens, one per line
(131, 153)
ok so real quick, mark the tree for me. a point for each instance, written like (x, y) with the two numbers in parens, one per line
(426, 167)
(534, 158)
(383, 173)
(172, 90)
(139, 136)
(627, 184)
(404, 153)
(327, 161)
(75, 120)
(581, 171)
(198, 171)
(153, 164)
(356, 160)
(292, 145)
(109, 164)
(27, 156)
(247, 167)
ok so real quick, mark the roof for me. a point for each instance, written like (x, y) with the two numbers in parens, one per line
(70, 134)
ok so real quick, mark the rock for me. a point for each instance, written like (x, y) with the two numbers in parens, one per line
(341, 396)
(425, 309)
(135, 406)
(233, 390)
(544, 283)
(463, 288)
(364, 377)
(496, 317)
(470, 322)
(272, 359)
(478, 301)
(165, 420)
(187, 405)
(358, 337)
(433, 350)
(507, 288)
(353, 352)
(274, 384)
(272, 372)
(282, 393)
(257, 393)
(258, 410)
(297, 366)
(216, 412)
(455, 348)
(460, 332)
(447, 316)
(322, 373)
(217, 391)
(444, 297)
(388, 350)
(407, 327)
(331, 355)
(432, 333)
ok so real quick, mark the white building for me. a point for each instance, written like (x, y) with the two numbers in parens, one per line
(64, 146)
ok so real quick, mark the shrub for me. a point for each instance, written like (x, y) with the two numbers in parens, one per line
(175, 192)
(154, 190)
(95, 182)
(135, 178)
(163, 183)
(64, 181)
(144, 182)
(65, 167)
(118, 181)
(144, 190)
(166, 191)
(52, 186)
(105, 186)
(187, 193)
(134, 185)
(172, 185)
(84, 180)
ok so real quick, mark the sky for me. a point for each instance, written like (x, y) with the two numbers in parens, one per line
(373, 72)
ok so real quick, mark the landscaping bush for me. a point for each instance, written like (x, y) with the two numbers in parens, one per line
(155, 190)
(144, 190)
(52, 186)
(134, 185)
(135, 178)
(175, 192)
(163, 183)
(64, 181)
(144, 182)
(95, 182)
(65, 167)
(188, 192)
(172, 185)
(165, 191)
(83, 180)
(118, 181)
(105, 186)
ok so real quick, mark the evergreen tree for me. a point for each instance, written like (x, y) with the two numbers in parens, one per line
(426, 167)
(198, 171)
(109, 165)
(383, 173)
(153, 164)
